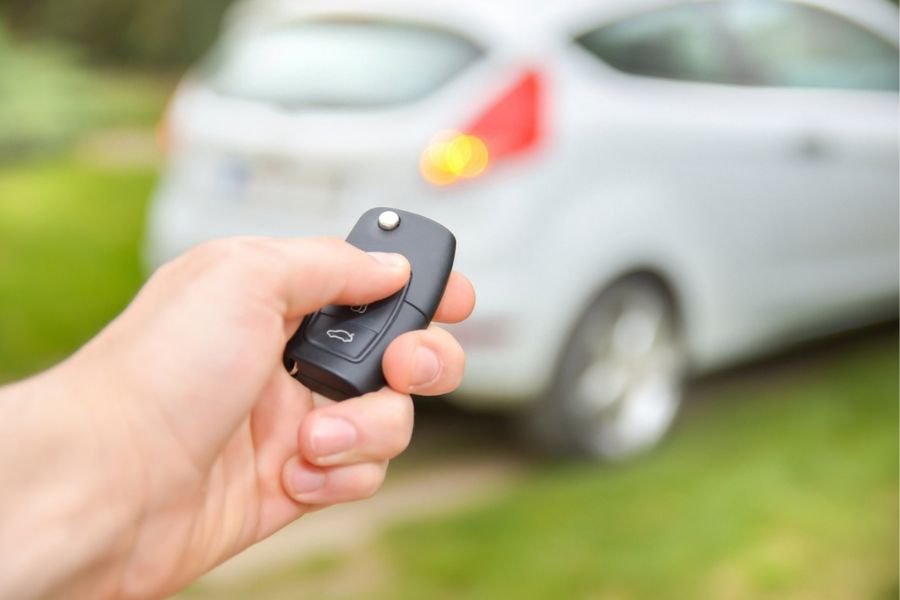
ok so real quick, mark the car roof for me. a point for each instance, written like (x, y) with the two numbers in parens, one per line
(484, 20)
(520, 20)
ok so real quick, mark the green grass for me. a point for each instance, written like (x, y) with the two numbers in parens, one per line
(789, 491)
(778, 487)
(68, 257)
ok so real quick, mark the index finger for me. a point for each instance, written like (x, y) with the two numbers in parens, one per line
(320, 271)
(347, 277)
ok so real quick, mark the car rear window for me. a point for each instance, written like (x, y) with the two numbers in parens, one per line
(338, 63)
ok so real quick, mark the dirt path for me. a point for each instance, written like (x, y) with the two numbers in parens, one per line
(414, 494)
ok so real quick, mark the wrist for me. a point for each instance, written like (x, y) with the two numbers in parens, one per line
(65, 522)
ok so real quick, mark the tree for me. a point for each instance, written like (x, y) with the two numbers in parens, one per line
(153, 32)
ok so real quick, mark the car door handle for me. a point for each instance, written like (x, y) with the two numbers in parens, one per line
(813, 147)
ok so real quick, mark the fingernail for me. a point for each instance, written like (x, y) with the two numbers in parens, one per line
(426, 367)
(303, 480)
(331, 435)
(389, 259)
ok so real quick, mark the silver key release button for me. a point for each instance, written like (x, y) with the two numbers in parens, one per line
(388, 220)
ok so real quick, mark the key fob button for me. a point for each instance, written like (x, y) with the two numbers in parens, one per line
(372, 316)
(338, 351)
(340, 336)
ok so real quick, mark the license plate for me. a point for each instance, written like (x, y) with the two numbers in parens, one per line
(283, 186)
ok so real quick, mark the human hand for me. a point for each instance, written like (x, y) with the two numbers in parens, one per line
(181, 425)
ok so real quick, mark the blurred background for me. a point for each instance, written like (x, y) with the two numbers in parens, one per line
(706, 192)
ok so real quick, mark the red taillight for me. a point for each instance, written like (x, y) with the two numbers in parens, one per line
(509, 126)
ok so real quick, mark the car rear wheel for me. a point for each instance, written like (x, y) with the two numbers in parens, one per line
(618, 385)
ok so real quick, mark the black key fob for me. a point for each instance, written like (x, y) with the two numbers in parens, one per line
(338, 350)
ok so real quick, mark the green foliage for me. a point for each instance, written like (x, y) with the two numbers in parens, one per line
(47, 98)
(157, 32)
(42, 98)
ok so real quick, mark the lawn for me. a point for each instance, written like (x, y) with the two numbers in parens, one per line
(786, 490)
(69, 236)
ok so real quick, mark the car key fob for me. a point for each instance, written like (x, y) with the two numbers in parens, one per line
(338, 350)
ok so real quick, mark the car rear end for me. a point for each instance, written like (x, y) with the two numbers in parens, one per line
(304, 116)
(296, 120)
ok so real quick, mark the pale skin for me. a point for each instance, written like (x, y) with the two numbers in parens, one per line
(175, 439)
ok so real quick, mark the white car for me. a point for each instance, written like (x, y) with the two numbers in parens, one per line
(640, 189)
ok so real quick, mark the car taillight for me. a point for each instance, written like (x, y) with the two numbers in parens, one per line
(509, 126)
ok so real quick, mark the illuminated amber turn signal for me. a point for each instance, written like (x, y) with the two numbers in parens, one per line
(451, 156)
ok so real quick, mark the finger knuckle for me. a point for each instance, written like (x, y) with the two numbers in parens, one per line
(370, 480)
(398, 419)
(328, 243)
(243, 257)
(214, 250)
(167, 271)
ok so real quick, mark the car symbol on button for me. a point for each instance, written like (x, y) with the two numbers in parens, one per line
(340, 334)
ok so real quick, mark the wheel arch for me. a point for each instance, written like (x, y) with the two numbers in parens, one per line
(649, 272)
(543, 421)
(658, 278)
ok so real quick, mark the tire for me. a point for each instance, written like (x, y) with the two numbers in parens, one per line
(619, 381)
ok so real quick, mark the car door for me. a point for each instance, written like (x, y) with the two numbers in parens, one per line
(752, 183)
(833, 83)
(686, 168)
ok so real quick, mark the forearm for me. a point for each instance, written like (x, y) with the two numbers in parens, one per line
(62, 533)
